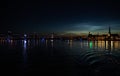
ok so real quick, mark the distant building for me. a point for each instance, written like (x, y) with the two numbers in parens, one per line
(108, 36)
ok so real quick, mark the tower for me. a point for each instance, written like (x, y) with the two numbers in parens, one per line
(109, 33)
(109, 30)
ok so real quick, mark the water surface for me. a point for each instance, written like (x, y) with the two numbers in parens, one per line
(73, 58)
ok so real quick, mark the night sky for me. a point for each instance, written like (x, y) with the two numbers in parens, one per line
(60, 17)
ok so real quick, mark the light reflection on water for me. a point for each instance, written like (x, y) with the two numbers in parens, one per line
(25, 51)
(94, 45)
(87, 50)
(63, 53)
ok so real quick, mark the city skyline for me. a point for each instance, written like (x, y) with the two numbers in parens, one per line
(109, 30)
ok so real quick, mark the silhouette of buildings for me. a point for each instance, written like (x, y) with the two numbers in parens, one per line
(108, 36)
(54, 36)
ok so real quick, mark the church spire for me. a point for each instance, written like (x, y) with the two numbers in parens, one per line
(109, 33)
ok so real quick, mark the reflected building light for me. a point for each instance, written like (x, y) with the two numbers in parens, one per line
(52, 37)
(116, 45)
(51, 40)
(103, 44)
(8, 40)
(25, 41)
(11, 42)
(99, 44)
(106, 44)
(81, 44)
(80, 39)
(71, 43)
(87, 44)
(43, 40)
(111, 45)
(25, 44)
(95, 44)
(91, 44)
(28, 42)
(24, 51)
(68, 41)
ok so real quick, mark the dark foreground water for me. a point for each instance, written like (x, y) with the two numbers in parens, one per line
(59, 58)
